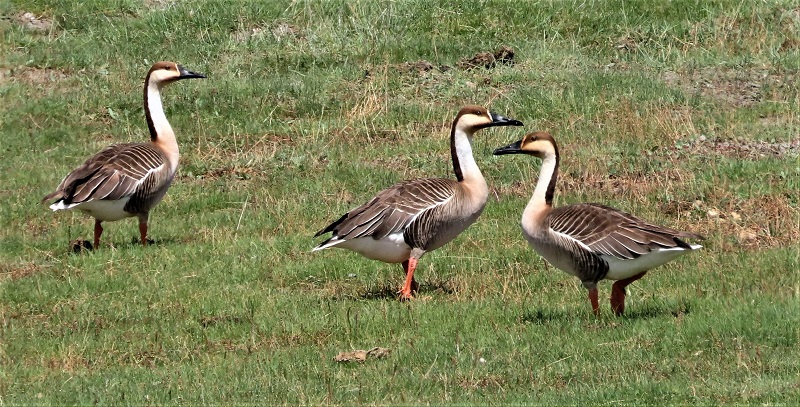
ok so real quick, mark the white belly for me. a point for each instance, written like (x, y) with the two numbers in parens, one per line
(104, 210)
(391, 249)
(619, 269)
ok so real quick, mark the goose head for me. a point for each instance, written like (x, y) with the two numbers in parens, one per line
(539, 144)
(473, 118)
(165, 72)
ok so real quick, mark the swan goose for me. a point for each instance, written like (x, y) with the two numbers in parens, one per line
(591, 241)
(129, 179)
(405, 221)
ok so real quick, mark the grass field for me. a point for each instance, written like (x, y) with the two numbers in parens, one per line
(683, 112)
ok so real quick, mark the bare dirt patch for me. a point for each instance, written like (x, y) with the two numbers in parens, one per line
(279, 31)
(418, 67)
(159, 4)
(33, 22)
(489, 60)
(486, 59)
(362, 355)
(739, 148)
(18, 271)
(755, 223)
(36, 76)
(736, 87)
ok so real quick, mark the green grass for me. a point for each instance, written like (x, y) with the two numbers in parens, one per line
(306, 114)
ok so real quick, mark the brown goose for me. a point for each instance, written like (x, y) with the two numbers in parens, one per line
(125, 180)
(411, 218)
(591, 241)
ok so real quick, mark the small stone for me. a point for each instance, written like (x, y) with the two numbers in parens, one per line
(713, 213)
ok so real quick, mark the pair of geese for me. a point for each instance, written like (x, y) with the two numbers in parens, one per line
(400, 224)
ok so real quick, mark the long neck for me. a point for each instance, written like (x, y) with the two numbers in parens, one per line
(541, 202)
(464, 165)
(161, 133)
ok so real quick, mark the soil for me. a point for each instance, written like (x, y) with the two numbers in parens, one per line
(737, 87)
(32, 22)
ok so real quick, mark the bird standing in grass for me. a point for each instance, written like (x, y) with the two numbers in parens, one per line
(411, 218)
(125, 180)
(591, 241)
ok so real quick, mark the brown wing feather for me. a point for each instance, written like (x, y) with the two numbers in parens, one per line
(113, 173)
(392, 210)
(613, 232)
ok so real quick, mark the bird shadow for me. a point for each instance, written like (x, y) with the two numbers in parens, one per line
(386, 291)
(80, 246)
(544, 316)
(649, 311)
(135, 242)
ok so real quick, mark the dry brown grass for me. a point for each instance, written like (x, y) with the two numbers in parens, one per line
(739, 87)
(754, 223)
(14, 271)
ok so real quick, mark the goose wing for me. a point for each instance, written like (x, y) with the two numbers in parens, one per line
(391, 211)
(612, 232)
(114, 173)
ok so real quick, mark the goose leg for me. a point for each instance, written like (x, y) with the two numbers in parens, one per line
(594, 301)
(410, 284)
(143, 229)
(98, 230)
(618, 293)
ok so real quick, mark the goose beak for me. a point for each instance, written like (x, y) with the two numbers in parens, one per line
(513, 148)
(187, 74)
(498, 120)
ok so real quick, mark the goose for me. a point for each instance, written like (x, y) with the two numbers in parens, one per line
(590, 241)
(128, 179)
(405, 221)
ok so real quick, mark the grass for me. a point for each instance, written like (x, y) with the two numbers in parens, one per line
(674, 111)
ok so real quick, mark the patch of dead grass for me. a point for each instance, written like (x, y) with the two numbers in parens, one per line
(740, 87)
(68, 363)
(37, 76)
(491, 381)
(159, 4)
(740, 148)
(253, 153)
(756, 223)
(13, 272)
(261, 343)
(279, 31)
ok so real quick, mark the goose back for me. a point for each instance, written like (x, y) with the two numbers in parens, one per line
(138, 173)
(426, 212)
(612, 232)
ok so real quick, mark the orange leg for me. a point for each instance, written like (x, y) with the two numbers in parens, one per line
(594, 301)
(143, 232)
(618, 293)
(98, 230)
(410, 285)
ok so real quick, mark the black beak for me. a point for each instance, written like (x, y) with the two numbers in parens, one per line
(187, 74)
(498, 120)
(513, 148)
